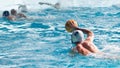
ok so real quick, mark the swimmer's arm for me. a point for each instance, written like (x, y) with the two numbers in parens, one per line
(90, 34)
(82, 50)
(41, 3)
(55, 6)
(22, 15)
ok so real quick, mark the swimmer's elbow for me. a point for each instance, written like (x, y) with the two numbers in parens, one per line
(90, 33)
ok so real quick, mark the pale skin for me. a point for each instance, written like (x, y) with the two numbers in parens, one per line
(12, 18)
(87, 46)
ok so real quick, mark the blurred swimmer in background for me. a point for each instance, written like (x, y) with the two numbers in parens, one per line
(6, 15)
(57, 5)
(17, 15)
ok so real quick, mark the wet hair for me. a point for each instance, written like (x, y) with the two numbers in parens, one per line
(6, 13)
(13, 11)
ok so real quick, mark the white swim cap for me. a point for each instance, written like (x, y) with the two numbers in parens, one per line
(77, 36)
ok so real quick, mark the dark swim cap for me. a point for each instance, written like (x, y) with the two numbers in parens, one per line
(6, 13)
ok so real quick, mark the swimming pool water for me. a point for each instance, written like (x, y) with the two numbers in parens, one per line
(42, 42)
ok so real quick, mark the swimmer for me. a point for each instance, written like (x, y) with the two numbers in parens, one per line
(22, 8)
(81, 45)
(57, 5)
(6, 15)
(17, 15)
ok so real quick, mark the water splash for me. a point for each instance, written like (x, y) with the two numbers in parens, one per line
(108, 52)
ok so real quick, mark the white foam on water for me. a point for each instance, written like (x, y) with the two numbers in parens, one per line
(109, 52)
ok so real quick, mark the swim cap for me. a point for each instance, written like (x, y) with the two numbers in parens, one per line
(6, 13)
(77, 36)
(70, 24)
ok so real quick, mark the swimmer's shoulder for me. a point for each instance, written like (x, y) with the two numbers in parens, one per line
(11, 18)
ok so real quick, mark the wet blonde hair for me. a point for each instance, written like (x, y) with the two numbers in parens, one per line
(70, 25)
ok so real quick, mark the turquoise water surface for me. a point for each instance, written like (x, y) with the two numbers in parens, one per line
(42, 42)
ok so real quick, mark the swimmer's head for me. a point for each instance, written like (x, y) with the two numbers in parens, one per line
(57, 5)
(13, 12)
(6, 13)
(71, 25)
(77, 36)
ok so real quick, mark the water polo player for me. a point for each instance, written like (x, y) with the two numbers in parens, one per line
(7, 15)
(81, 45)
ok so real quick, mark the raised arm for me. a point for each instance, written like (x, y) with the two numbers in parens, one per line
(90, 34)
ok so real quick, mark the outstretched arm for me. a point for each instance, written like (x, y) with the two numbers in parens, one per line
(57, 5)
(41, 3)
(22, 15)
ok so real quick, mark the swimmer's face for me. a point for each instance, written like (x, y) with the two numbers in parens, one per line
(71, 25)
(13, 12)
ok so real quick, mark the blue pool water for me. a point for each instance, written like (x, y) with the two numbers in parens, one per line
(42, 42)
